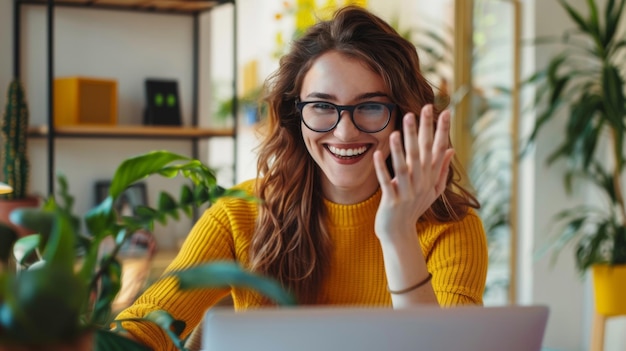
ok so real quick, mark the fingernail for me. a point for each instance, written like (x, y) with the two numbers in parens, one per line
(409, 118)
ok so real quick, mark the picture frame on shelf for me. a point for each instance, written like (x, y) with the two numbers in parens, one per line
(134, 196)
(141, 243)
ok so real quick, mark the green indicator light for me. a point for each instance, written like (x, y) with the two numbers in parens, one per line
(158, 100)
(171, 100)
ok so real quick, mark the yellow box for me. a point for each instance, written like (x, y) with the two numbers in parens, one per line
(85, 101)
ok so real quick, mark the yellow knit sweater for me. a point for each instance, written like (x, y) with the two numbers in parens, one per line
(456, 255)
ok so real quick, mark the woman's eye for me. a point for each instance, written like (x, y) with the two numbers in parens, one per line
(371, 107)
(323, 107)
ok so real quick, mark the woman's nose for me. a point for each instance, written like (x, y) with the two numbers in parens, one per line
(345, 129)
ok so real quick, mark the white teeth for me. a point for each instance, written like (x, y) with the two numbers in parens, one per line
(347, 152)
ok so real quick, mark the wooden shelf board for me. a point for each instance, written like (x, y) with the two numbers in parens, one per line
(160, 6)
(128, 131)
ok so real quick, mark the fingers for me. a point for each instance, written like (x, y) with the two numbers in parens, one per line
(440, 186)
(441, 146)
(425, 157)
(400, 165)
(381, 172)
(420, 167)
(425, 135)
(409, 125)
(426, 147)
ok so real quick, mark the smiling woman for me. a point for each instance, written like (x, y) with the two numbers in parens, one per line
(342, 79)
(360, 201)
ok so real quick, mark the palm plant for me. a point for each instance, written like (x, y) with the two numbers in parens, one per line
(64, 296)
(587, 80)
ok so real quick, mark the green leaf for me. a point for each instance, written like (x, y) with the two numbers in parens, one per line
(557, 89)
(581, 134)
(172, 327)
(109, 286)
(594, 21)
(90, 260)
(613, 89)
(101, 219)
(589, 250)
(24, 247)
(186, 195)
(226, 274)
(186, 200)
(617, 47)
(604, 180)
(38, 220)
(67, 198)
(44, 304)
(60, 248)
(613, 15)
(147, 215)
(618, 256)
(170, 172)
(140, 167)
(576, 17)
(168, 204)
(201, 195)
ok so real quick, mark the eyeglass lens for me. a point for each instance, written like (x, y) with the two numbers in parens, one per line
(368, 117)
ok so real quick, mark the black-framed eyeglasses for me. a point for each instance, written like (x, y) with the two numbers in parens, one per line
(323, 116)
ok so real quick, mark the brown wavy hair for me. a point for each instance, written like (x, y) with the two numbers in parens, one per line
(291, 242)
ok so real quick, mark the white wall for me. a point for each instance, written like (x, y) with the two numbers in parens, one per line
(542, 195)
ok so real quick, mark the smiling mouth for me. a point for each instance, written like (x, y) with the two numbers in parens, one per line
(347, 153)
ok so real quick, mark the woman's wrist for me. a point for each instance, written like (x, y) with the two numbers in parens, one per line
(398, 236)
(415, 286)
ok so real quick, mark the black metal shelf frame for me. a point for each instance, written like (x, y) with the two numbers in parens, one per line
(51, 4)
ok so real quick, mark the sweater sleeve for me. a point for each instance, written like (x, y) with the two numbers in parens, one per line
(210, 239)
(457, 256)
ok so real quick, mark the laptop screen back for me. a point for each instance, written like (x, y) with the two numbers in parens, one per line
(511, 328)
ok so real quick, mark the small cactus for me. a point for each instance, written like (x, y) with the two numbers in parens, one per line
(13, 156)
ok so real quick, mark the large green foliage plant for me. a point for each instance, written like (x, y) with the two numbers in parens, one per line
(68, 292)
(584, 85)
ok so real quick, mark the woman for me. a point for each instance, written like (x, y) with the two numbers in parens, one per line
(360, 206)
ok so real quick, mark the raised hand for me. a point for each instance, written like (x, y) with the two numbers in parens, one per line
(420, 173)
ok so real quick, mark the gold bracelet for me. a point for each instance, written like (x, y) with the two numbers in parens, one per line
(410, 288)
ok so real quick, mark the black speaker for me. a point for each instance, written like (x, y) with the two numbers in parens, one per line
(162, 103)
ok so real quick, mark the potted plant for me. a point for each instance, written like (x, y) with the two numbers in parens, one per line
(587, 79)
(64, 298)
(14, 156)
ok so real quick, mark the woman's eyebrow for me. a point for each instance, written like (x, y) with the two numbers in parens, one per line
(363, 96)
(323, 96)
(371, 95)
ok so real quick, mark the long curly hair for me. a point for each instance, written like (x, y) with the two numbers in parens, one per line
(291, 242)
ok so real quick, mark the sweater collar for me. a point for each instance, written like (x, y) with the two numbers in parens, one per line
(354, 215)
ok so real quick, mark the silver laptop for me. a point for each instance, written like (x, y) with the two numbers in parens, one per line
(507, 328)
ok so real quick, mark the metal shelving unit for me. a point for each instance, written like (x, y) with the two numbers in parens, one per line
(178, 7)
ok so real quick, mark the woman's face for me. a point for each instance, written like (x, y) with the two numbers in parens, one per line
(342, 80)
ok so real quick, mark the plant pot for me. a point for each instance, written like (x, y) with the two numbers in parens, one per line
(7, 206)
(609, 284)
